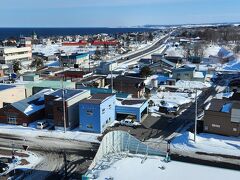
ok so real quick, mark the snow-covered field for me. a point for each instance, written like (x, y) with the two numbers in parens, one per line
(49, 50)
(209, 143)
(135, 168)
(32, 132)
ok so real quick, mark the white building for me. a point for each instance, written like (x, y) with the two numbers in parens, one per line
(9, 54)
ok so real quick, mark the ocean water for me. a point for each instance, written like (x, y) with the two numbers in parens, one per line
(44, 32)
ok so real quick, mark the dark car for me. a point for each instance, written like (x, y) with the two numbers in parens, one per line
(3, 167)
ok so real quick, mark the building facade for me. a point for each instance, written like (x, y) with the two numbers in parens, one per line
(10, 54)
(25, 111)
(222, 117)
(10, 94)
(97, 112)
(55, 109)
(76, 60)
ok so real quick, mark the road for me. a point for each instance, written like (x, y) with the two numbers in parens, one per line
(145, 51)
(54, 153)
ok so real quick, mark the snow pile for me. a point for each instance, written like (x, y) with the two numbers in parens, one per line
(209, 143)
(192, 84)
(139, 168)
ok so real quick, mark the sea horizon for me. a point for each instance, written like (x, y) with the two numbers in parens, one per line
(7, 32)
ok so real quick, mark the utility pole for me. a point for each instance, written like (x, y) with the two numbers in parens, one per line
(111, 78)
(196, 117)
(63, 101)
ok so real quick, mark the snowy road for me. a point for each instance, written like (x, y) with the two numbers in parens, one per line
(51, 150)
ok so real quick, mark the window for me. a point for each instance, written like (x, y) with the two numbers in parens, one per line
(178, 74)
(234, 129)
(216, 125)
(89, 126)
(12, 120)
(110, 106)
(205, 128)
(186, 74)
(89, 112)
(103, 111)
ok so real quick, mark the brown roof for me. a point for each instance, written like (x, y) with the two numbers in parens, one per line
(217, 104)
(96, 98)
(133, 101)
(135, 80)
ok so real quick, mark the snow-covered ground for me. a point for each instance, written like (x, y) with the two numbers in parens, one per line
(192, 84)
(135, 168)
(31, 159)
(209, 143)
(32, 132)
(49, 50)
(175, 51)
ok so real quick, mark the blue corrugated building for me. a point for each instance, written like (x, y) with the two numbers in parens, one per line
(97, 112)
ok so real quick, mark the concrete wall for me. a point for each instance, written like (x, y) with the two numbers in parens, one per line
(12, 95)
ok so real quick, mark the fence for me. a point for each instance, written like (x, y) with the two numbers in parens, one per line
(117, 142)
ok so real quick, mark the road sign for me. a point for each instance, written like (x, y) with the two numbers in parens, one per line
(25, 147)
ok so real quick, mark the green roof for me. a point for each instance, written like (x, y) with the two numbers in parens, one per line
(50, 84)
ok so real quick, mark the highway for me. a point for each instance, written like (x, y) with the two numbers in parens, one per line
(145, 51)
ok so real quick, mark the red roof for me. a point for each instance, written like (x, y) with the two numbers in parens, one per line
(101, 43)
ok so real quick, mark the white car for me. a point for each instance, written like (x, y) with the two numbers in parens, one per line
(127, 122)
(42, 124)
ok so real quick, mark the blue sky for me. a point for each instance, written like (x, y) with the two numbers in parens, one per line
(114, 13)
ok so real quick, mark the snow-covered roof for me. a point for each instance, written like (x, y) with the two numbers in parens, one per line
(137, 103)
(32, 104)
(198, 74)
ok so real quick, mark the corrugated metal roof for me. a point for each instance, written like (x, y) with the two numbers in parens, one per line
(6, 86)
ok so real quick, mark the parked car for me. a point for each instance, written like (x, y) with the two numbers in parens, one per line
(127, 122)
(42, 124)
(3, 167)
